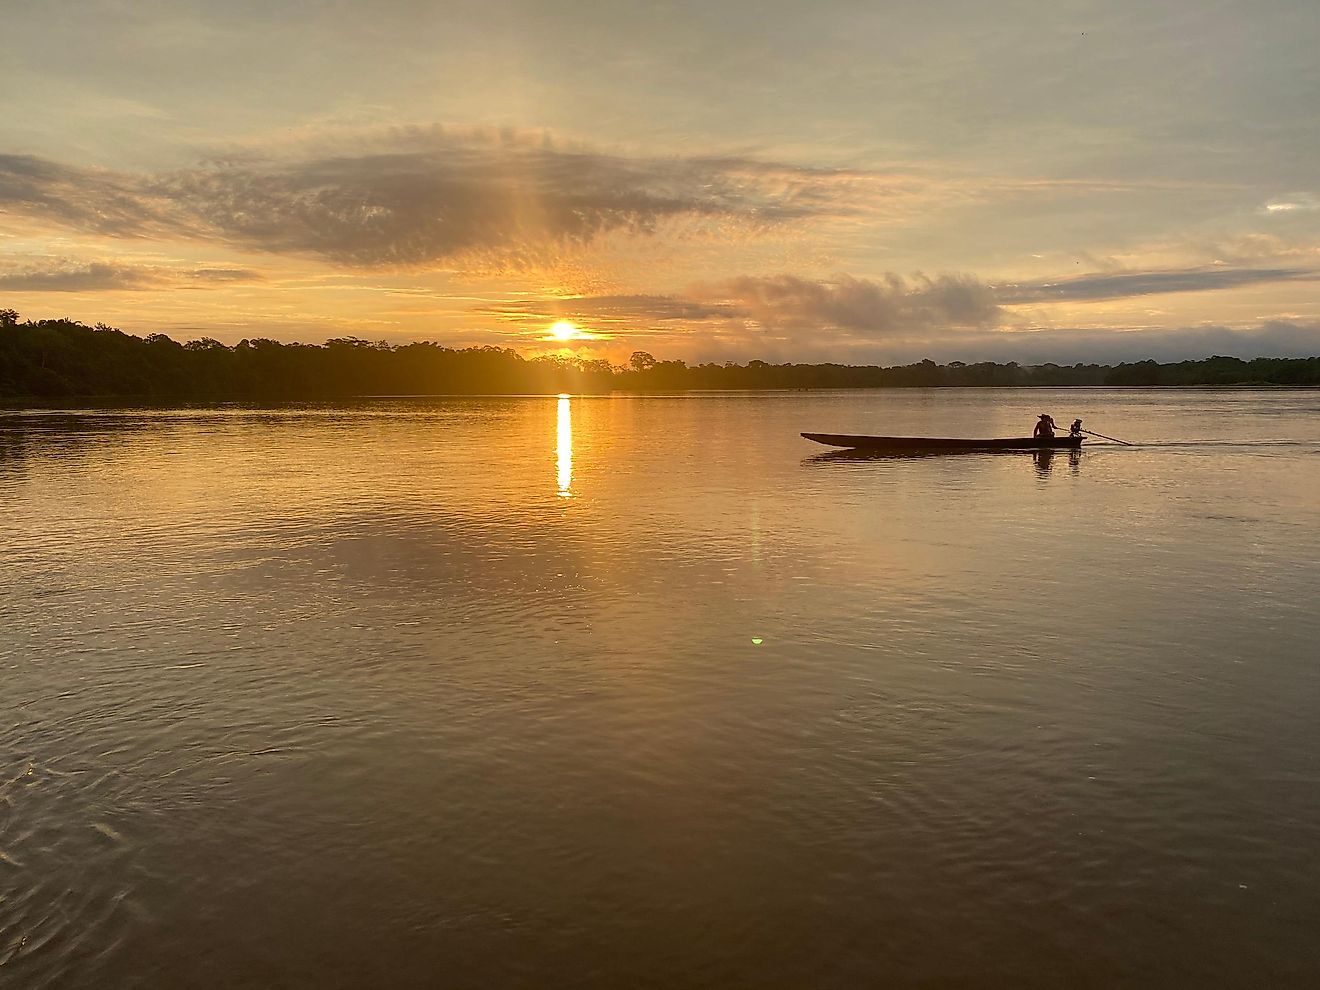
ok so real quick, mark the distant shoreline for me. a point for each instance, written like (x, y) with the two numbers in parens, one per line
(62, 361)
(22, 402)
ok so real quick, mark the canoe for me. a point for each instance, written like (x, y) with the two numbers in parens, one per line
(943, 443)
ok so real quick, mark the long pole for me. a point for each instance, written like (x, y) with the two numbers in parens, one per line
(1103, 437)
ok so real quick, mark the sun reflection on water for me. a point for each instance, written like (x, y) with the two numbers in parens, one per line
(564, 447)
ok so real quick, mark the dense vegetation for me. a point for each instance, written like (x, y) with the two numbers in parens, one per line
(61, 358)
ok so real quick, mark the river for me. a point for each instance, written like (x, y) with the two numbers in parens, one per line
(651, 692)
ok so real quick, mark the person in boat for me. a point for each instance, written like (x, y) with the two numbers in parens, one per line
(1045, 427)
(1076, 429)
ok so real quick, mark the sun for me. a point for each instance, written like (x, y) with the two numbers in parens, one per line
(563, 330)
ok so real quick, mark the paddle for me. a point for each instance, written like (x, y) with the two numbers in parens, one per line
(1103, 437)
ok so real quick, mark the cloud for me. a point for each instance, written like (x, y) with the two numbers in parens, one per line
(1296, 203)
(623, 310)
(863, 308)
(887, 320)
(1067, 346)
(1274, 338)
(221, 275)
(95, 277)
(885, 307)
(1085, 288)
(92, 200)
(422, 196)
(101, 276)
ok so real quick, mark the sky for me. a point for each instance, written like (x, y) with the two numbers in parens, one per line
(1070, 180)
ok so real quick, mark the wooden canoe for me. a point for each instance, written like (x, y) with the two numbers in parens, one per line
(943, 443)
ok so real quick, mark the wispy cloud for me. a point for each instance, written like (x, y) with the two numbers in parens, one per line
(95, 277)
(1117, 285)
(223, 275)
(891, 306)
(624, 311)
(92, 200)
(1295, 203)
(102, 276)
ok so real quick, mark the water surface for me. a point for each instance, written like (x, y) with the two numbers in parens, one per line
(649, 691)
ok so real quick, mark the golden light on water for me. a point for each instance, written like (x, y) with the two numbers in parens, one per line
(564, 447)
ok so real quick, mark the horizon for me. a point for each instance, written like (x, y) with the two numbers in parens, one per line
(871, 186)
(621, 363)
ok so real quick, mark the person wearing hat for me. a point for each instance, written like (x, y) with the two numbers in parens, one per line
(1044, 427)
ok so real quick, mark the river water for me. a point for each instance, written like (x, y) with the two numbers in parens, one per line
(646, 692)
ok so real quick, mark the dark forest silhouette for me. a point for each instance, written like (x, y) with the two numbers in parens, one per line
(63, 358)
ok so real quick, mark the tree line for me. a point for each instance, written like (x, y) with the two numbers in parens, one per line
(51, 359)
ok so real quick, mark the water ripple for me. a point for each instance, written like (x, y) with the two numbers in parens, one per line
(354, 695)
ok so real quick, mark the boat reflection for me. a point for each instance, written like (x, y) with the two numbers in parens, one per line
(1043, 459)
(564, 448)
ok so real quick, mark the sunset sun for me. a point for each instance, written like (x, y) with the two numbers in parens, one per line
(564, 330)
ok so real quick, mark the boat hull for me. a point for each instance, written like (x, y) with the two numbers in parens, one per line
(853, 442)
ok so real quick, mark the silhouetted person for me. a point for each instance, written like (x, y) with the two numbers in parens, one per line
(1044, 427)
(1076, 429)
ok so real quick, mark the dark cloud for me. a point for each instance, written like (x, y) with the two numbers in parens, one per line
(100, 276)
(1119, 285)
(95, 277)
(886, 307)
(222, 275)
(90, 200)
(425, 197)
